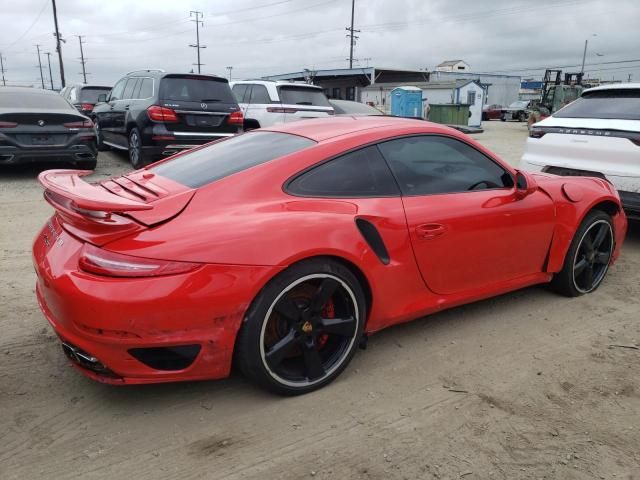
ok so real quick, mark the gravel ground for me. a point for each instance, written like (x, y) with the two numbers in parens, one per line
(526, 385)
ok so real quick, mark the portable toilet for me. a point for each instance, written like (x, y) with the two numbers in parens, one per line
(406, 102)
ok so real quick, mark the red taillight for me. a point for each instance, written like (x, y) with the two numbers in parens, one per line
(162, 114)
(8, 124)
(281, 110)
(86, 107)
(236, 118)
(109, 264)
(82, 124)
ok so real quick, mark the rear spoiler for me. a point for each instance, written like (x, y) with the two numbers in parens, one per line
(65, 188)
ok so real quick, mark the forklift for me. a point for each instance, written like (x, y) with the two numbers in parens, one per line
(556, 93)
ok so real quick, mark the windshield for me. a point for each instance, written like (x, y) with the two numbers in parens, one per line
(90, 94)
(196, 89)
(303, 96)
(520, 104)
(607, 104)
(33, 99)
(353, 108)
(226, 157)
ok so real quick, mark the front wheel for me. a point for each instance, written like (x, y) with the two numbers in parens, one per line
(587, 260)
(303, 328)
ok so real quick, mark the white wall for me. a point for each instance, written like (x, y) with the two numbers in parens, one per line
(476, 109)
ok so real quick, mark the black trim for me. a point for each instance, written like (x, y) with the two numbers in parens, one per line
(373, 238)
(176, 357)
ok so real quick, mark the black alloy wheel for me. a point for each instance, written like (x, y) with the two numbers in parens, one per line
(303, 328)
(592, 257)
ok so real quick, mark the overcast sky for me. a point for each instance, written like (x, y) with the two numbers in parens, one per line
(260, 37)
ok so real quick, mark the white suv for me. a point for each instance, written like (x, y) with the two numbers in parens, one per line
(597, 135)
(265, 102)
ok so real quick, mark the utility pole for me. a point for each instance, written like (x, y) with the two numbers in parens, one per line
(58, 40)
(230, 69)
(197, 45)
(82, 61)
(352, 31)
(584, 55)
(48, 54)
(40, 66)
(4, 82)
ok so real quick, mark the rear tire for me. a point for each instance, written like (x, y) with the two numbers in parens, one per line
(587, 260)
(136, 155)
(303, 328)
(102, 147)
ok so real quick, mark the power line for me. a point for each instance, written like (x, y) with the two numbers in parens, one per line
(44, 5)
(352, 37)
(197, 45)
(40, 65)
(82, 60)
(48, 54)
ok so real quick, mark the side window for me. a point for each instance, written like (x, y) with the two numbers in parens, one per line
(128, 90)
(471, 98)
(73, 98)
(362, 173)
(116, 92)
(146, 88)
(259, 94)
(239, 91)
(427, 165)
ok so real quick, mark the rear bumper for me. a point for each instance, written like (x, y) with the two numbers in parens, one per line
(160, 142)
(174, 328)
(78, 153)
(631, 204)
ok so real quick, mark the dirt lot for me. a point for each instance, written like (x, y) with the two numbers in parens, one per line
(526, 385)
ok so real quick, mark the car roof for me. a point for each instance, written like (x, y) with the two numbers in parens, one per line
(613, 86)
(322, 129)
(277, 82)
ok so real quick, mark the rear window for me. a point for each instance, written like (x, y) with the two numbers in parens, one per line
(33, 100)
(354, 108)
(607, 104)
(196, 89)
(230, 156)
(90, 94)
(303, 96)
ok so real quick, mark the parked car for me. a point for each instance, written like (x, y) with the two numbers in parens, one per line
(492, 112)
(155, 114)
(84, 97)
(265, 103)
(516, 111)
(597, 135)
(41, 126)
(357, 109)
(283, 249)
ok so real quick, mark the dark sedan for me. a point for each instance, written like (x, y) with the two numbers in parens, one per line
(492, 112)
(41, 126)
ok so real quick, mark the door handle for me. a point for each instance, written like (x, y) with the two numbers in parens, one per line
(127, 107)
(428, 231)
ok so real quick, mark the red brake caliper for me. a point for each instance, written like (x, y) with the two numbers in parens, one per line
(328, 311)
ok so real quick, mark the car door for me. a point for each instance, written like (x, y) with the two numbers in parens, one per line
(120, 112)
(260, 107)
(468, 226)
(104, 113)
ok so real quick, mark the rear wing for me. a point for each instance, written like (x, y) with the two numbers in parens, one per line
(65, 189)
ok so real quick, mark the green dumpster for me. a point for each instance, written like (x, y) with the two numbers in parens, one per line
(449, 113)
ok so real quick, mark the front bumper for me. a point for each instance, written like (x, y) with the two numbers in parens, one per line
(172, 328)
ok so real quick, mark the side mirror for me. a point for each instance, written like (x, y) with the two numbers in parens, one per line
(102, 98)
(525, 184)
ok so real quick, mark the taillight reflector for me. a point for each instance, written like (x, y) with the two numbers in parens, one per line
(8, 124)
(536, 132)
(81, 124)
(86, 107)
(162, 114)
(109, 264)
(236, 118)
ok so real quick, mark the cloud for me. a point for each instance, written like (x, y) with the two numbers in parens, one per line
(259, 37)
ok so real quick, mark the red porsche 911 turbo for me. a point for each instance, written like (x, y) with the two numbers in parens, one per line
(283, 248)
